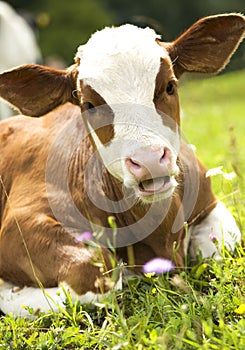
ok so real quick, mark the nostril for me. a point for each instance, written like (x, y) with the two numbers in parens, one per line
(165, 155)
(132, 164)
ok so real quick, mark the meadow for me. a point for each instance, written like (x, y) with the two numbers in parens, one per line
(199, 307)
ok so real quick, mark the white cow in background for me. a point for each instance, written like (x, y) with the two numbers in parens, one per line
(17, 45)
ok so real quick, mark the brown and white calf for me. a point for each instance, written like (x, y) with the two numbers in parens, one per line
(107, 142)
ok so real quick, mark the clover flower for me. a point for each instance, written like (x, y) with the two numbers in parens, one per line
(84, 237)
(212, 237)
(158, 266)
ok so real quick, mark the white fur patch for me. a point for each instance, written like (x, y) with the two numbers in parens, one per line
(44, 300)
(121, 64)
(221, 224)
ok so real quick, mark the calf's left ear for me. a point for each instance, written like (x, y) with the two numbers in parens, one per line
(35, 90)
(208, 45)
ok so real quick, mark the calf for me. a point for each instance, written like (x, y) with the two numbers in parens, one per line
(107, 144)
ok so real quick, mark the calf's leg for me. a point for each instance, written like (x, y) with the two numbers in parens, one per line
(84, 270)
(218, 229)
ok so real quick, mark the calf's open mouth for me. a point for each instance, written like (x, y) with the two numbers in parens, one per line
(157, 185)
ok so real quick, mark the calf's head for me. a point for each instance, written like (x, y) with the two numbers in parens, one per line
(131, 107)
(125, 81)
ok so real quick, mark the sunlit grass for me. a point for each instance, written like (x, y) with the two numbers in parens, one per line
(200, 307)
(214, 118)
(214, 121)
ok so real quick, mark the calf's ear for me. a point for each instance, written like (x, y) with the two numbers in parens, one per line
(208, 45)
(35, 90)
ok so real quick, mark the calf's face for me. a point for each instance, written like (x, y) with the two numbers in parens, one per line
(129, 100)
(125, 81)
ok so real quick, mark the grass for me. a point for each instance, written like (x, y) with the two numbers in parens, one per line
(202, 307)
(216, 108)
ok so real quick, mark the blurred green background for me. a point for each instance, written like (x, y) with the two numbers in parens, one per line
(61, 26)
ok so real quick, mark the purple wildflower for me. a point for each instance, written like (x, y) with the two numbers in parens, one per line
(158, 265)
(84, 237)
(212, 237)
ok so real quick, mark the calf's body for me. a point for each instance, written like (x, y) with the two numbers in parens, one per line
(108, 146)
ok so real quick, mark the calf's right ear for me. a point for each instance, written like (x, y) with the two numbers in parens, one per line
(35, 90)
(208, 45)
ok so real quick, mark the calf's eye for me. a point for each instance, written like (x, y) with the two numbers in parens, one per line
(88, 106)
(170, 88)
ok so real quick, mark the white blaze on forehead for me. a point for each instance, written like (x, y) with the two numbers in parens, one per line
(121, 64)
